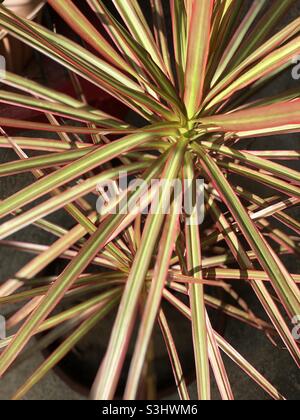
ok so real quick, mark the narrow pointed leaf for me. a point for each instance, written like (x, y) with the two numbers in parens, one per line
(281, 279)
(197, 54)
(109, 373)
(264, 119)
(154, 297)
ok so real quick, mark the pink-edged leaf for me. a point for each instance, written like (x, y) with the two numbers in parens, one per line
(232, 353)
(238, 37)
(281, 279)
(196, 291)
(199, 29)
(264, 119)
(154, 297)
(81, 25)
(174, 358)
(109, 373)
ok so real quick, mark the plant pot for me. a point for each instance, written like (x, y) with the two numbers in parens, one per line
(21, 55)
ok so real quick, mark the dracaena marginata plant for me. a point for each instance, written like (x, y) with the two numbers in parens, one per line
(191, 81)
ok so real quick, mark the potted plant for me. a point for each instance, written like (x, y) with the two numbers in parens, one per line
(127, 254)
(16, 55)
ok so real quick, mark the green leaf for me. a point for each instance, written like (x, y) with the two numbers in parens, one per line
(179, 26)
(108, 376)
(74, 170)
(235, 356)
(154, 296)
(237, 38)
(263, 178)
(284, 285)
(45, 161)
(199, 30)
(140, 31)
(80, 24)
(268, 47)
(258, 162)
(174, 358)
(196, 292)
(65, 281)
(263, 120)
(265, 67)
(263, 28)
(64, 348)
